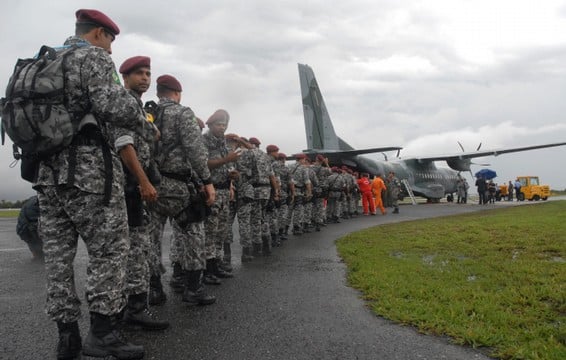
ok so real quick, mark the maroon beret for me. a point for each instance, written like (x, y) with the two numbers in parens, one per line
(232, 137)
(254, 141)
(218, 116)
(169, 82)
(133, 63)
(300, 156)
(95, 17)
(320, 157)
(281, 156)
(271, 148)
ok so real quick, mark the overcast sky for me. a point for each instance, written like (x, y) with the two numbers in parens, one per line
(417, 74)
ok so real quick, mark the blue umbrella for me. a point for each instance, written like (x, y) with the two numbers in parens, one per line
(487, 174)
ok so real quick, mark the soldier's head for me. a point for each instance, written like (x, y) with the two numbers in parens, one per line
(169, 87)
(301, 158)
(96, 28)
(282, 157)
(136, 73)
(218, 123)
(272, 150)
(254, 141)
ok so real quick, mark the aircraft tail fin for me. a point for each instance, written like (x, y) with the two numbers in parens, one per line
(318, 126)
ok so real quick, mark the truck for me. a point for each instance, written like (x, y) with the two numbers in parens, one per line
(531, 189)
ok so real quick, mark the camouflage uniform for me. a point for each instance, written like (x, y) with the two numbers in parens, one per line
(283, 219)
(74, 199)
(336, 187)
(187, 247)
(300, 176)
(184, 156)
(309, 205)
(261, 172)
(395, 186)
(245, 197)
(319, 211)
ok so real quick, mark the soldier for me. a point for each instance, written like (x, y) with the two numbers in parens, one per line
(141, 175)
(221, 164)
(309, 205)
(273, 210)
(322, 171)
(336, 186)
(395, 185)
(263, 182)
(182, 159)
(80, 192)
(287, 196)
(27, 227)
(303, 191)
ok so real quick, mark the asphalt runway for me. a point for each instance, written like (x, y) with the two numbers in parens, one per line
(293, 305)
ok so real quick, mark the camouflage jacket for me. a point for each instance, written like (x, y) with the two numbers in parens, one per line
(300, 176)
(322, 173)
(182, 149)
(244, 166)
(92, 86)
(217, 149)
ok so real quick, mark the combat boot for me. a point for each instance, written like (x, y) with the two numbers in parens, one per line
(209, 277)
(105, 340)
(266, 246)
(137, 314)
(226, 263)
(275, 242)
(156, 294)
(69, 345)
(297, 230)
(396, 210)
(247, 254)
(256, 250)
(177, 281)
(306, 228)
(218, 271)
(194, 293)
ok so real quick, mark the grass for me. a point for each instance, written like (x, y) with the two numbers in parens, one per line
(9, 213)
(495, 279)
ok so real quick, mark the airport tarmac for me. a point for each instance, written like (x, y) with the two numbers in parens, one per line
(294, 304)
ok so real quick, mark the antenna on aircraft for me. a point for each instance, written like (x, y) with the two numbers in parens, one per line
(384, 156)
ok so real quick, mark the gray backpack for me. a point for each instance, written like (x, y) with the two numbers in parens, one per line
(33, 112)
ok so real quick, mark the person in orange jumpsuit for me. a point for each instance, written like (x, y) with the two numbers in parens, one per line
(377, 186)
(367, 199)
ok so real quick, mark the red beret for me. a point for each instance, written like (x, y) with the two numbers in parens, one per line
(254, 141)
(232, 137)
(281, 156)
(95, 17)
(169, 82)
(336, 169)
(200, 123)
(218, 116)
(300, 156)
(320, 157)
(271, 148)
(133, 63)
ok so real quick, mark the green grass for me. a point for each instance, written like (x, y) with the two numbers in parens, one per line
(9, 213)
(495, 279)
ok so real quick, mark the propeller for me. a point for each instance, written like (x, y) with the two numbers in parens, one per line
(472, 163)
(384, 156)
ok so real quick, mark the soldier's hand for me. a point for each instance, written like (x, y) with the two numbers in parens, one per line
(148, 192)
(210, 194)
(233, 156)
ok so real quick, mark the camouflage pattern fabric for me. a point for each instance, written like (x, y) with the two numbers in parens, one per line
(217, 225)
(187, 246)
(137, 270)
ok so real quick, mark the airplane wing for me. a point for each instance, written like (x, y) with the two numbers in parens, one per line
(351, 152)
(476, 154)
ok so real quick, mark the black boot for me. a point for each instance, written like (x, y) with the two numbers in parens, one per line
(105, 340)
(194, 293)
(396, 211)
(218, 271)
(282, 234)
(306, 228)
(247, 254)
(256, 250)
(156, 294)
(226, 263)
(266, 246)
(297, 230)
(177, 281)
(137, 314)
(69, 346)
(209, 277)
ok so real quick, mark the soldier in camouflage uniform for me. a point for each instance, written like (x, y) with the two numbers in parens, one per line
(357, 195)
(182, 159)
(336, 186)
(77, 195)
(287, 196)
(217, 226)
(274, 209)
(309, 205)
(303, 192)
(345, 200)
(322, 171)
(263, 181)
(395, 186)
(141, 174)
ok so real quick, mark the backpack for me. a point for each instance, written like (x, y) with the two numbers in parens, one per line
(33, 112)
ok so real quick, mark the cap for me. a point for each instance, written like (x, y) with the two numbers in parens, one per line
(254, 141)
(300, 156)
(281, 156)
(271, 148)
(320, 157)
(95, 17)
(232, 137)
(220, 116)
(169, 82)
(133, 63)
(336, 169)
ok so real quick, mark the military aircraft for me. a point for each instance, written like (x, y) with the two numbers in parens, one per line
(421, 174)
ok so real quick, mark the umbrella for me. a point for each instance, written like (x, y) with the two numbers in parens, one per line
(487, 174)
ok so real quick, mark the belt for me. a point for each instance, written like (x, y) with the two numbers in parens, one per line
(180, 177)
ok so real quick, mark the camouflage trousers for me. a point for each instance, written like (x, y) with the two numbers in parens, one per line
(272, 217)
(308, 212)
(218, 226)
(66, 213)
(334, 205)
(298, 211)
(259, 224)
(244, 214)
(283, 216)
(187, 247)
(137, 271)
(318, 211)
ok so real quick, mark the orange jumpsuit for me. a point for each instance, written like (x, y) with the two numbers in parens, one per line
(367, 199)
(377, 186)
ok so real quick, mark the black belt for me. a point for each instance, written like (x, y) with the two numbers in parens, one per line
(180, 177)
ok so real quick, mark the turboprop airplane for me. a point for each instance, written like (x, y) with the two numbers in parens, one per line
(421, 173)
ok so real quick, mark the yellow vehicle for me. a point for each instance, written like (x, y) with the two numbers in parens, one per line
(531, 189)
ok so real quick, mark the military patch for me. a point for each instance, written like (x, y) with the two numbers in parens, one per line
(116, 78)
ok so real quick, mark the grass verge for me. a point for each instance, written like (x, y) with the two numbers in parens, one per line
(493, 279)
(9, 213)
